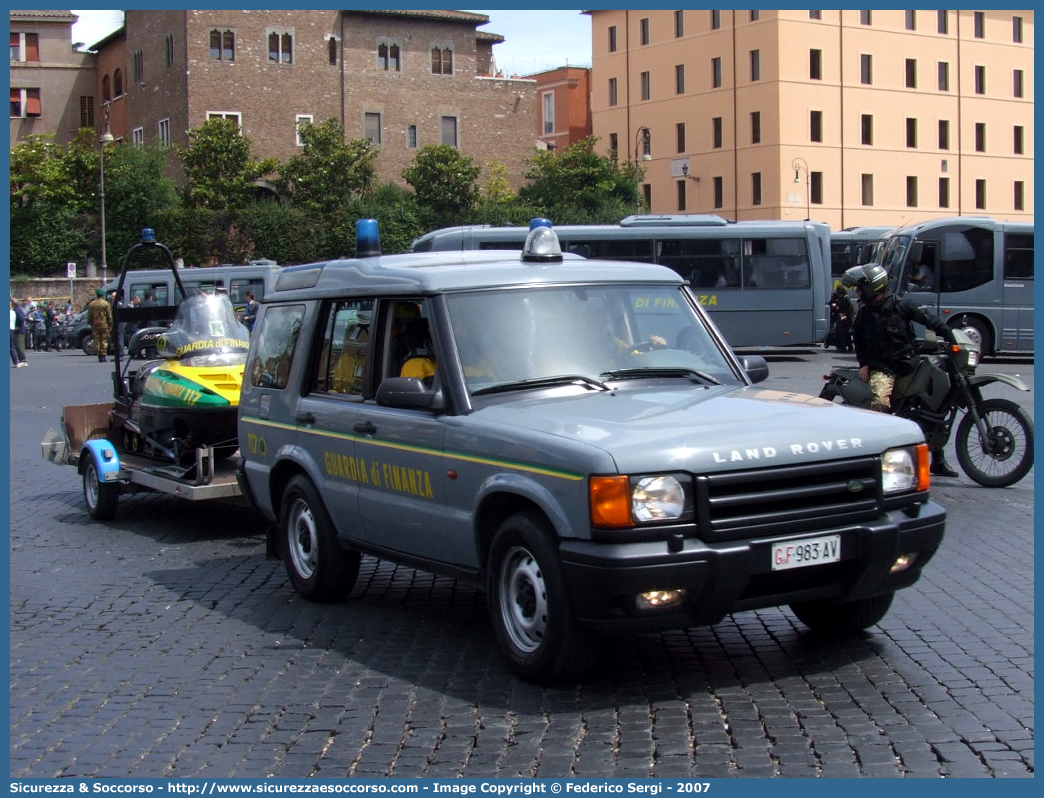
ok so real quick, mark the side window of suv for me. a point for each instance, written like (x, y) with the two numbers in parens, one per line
(345, 353)
(277, 342)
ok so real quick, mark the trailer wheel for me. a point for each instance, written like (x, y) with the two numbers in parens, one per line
(318, 567)
(101, 497)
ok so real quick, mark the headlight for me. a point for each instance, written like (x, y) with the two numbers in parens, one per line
(905, 469)
(623, 501)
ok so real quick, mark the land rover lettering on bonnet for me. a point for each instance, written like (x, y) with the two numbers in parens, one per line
(576, 437)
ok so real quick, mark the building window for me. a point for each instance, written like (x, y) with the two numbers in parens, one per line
(549, 112)
(117, 83)
(169, 42)
(613, 94)
(647, 194)
(679, 24)
(911, 73)
(815, 14)
(943, 23)
(716, 135)
(681, 194)
(715, 20)
(864, 18)
(980, 80)
(138, 137)
(389, 56)
(755, 65)
(866, 124)
(944, 76)
(411, 137)
(300, 121)
(719, 192)
(139, 73)
(755, 188)
(815, 126)
(26, 104)
(646, 85)
(979, 18)
(866, 69)
(280, 46)
(106, 89)
(911, 131)
(944, 192)
(980, 137)
(815, 64)
(911, 191)
(755, 16)
(679, 131)
(164, 132)
(755, 127)
(372, 128)
(235, 116)
(643, 30)
(1017, 145)
(441, 60)
(980, 195)
(1016, 83)
(1018, 198)
(716, 73)
(448, 130)
(222, 45)
(614, 145)
(86, 110)
(815, 188)
(679, 79)
(1016, 30)
(944, 134)
(612, 38)
(25, 47)
(866, 189)
(911, 20)
(332, 50)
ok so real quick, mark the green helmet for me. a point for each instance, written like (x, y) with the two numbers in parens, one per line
(871, 277)
(99, 292)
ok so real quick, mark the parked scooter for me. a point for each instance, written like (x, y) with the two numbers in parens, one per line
(994, 436)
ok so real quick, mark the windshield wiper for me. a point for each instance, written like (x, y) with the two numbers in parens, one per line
(674, 371)
(543, 382)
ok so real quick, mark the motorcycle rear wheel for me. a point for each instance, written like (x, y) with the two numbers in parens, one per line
(1008, 454)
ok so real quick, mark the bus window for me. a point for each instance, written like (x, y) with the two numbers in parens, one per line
(705, 263)
(1018, 256)
(639, 249)
(779, 263)
(965, 258)
(238, 287)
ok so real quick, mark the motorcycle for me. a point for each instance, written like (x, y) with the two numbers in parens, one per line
(994, 437)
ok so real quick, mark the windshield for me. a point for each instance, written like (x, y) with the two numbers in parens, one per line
(582, 334)
(894, 253)
(206, 331)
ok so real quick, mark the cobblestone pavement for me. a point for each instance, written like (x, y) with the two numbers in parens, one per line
(163, 643)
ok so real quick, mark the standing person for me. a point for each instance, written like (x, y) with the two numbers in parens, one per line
(49, 319)
(35, 325)
(885, 344)
(250, 312)
(17, 336)
(841, 319)
(99, 316)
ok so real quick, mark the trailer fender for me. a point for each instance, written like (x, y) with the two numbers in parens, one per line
(105, 457)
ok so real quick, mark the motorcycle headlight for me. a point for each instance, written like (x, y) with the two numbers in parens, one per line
(905, 469)
(623, 501)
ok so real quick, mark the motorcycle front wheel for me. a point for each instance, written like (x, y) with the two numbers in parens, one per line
(1006, 456)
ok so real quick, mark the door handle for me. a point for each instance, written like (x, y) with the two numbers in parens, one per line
(365, 427)
(305, 418)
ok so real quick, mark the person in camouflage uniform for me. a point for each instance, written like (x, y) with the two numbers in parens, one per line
(99, 316)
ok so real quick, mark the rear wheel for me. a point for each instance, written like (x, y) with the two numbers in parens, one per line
(319, 568)
(1006, 456)
(843, 618)
(529, 607)
(101, 497)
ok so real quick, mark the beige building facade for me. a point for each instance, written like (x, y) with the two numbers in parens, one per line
(845, 117)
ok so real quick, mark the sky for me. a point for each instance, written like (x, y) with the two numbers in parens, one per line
(534, 41)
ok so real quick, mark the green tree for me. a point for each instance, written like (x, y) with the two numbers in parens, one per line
(445, 184)
(219, 166)
(138, 194)
(329, 171)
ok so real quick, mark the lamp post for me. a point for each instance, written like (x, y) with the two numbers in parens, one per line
(695, 179)
(642, 144)
(799, 165)
(105, 138)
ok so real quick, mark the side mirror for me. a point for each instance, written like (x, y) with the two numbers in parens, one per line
(406, 392)
(755, 366)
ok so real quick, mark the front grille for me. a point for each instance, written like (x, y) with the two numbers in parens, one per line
(774, 501)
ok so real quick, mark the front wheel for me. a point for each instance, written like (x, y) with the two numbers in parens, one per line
(101, 496)
(318, 567)
(1006, 455)
(529, 607)
(843, 618)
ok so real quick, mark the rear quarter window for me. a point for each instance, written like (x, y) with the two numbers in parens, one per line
(277, 341)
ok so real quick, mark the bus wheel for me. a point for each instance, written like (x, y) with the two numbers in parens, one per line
(978, 332)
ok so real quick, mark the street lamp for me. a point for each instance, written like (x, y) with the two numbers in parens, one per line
(642, 143)
(799, 165)
(106, 138)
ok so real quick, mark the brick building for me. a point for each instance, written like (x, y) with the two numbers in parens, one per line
(404, 79)
(563, 106)
(52, 85)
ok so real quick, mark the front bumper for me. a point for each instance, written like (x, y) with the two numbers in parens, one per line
(604, 579)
